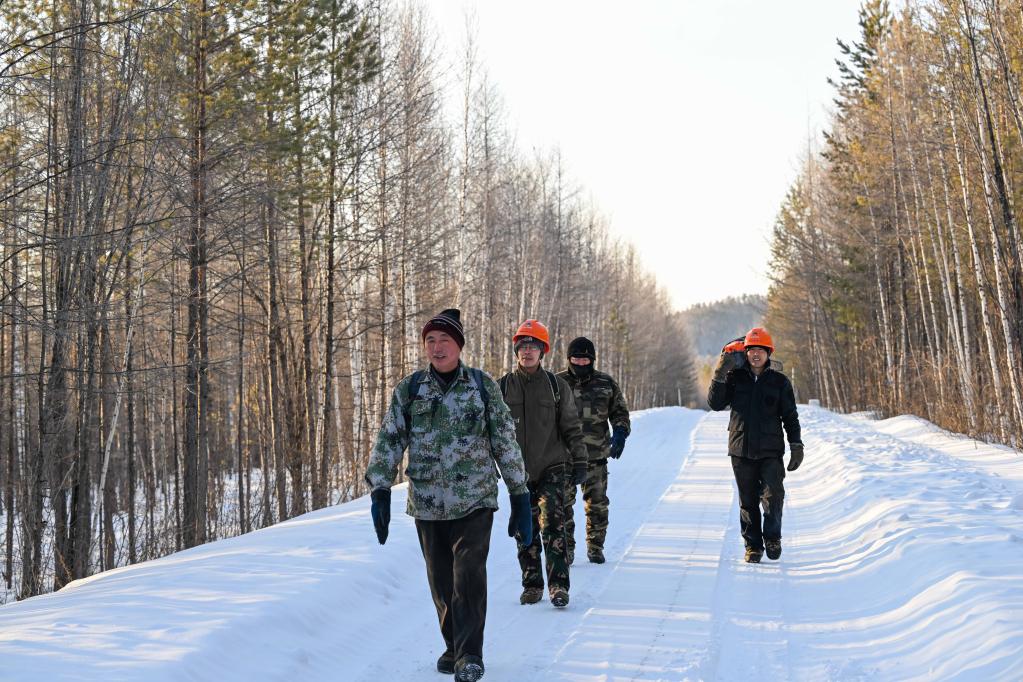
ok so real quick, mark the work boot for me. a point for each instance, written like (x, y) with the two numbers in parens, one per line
(531, 595)
(595, 555)
(559, 598)
(469, 668)
(446, 663)
(773, 549)
(753, 555)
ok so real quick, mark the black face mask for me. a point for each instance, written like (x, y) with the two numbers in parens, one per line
(581, 371)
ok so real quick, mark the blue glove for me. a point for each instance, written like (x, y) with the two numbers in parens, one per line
(381, 511)
(618, 437)
(520, 525)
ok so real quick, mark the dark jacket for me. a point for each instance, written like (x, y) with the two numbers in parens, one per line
(531, 401)
(760, 407)
(599, 400)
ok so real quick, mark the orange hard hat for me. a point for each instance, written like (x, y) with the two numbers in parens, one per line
(536, 330)
(735, 345)
(758, 336)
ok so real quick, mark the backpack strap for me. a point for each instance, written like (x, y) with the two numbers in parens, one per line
(554, 386)
(557, 401)
(413, 392)
(477, 376)
(481, 386)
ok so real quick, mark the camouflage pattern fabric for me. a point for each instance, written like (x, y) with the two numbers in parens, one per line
(547, 499)
(596, 502)
(599, 401)
(453, 443)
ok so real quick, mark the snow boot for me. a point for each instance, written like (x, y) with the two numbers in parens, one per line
(753, 555)
(559, 598)
(531, 595)
(446, 663)
(595, 555)
(773, 549)
(469, 668)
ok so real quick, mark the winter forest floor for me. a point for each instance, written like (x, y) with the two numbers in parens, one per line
(903, 560)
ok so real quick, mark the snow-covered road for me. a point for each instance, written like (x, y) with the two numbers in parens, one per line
(903, 560)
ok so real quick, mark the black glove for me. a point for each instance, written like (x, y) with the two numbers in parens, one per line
(618, 437)
(726, 363)
(796, 456)
(520, 525)
(579, 473)
(381, 511)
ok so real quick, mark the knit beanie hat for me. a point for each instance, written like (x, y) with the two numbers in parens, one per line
(582, 347)
(448, 321)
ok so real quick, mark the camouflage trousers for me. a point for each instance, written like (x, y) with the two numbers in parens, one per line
(547, 499)
(596, 503)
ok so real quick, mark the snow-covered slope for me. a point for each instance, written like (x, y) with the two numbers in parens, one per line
(903, 560)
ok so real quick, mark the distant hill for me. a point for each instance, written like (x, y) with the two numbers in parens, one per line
(712, 325)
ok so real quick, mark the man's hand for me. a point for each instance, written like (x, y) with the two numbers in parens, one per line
(380, 509)
(520, 525)
(796, 456)
(726, 363)
(618, 437)
(579, 470)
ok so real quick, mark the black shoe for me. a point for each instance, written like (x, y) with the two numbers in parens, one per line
(446, 663)
(531, 595)
(559, 598)
(753, 555)
(595, 555)
(469, 668)
(773, 549)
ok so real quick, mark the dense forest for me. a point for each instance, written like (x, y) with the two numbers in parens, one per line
(897, 252)
(222, 226)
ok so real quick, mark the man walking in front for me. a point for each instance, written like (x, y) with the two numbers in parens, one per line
(455, 426)
(762, 402)
(548, 432)
(599, 401)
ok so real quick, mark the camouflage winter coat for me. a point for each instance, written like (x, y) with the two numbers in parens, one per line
(599, 401)
(453, 444)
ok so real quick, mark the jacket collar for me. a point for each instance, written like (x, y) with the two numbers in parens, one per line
(526, 376)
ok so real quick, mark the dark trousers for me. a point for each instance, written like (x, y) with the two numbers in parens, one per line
(547, 500)
(760, 483)
(456, 566)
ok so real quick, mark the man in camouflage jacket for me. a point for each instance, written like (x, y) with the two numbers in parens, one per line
(455, 426)
(599, 401)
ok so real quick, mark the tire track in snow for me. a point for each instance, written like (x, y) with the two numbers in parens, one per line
(748, 639)
(653, 619)
(577, 643)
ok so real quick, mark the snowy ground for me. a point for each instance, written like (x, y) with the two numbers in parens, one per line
(903, 560)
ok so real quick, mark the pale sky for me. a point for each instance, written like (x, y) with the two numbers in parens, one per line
(685, 121)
